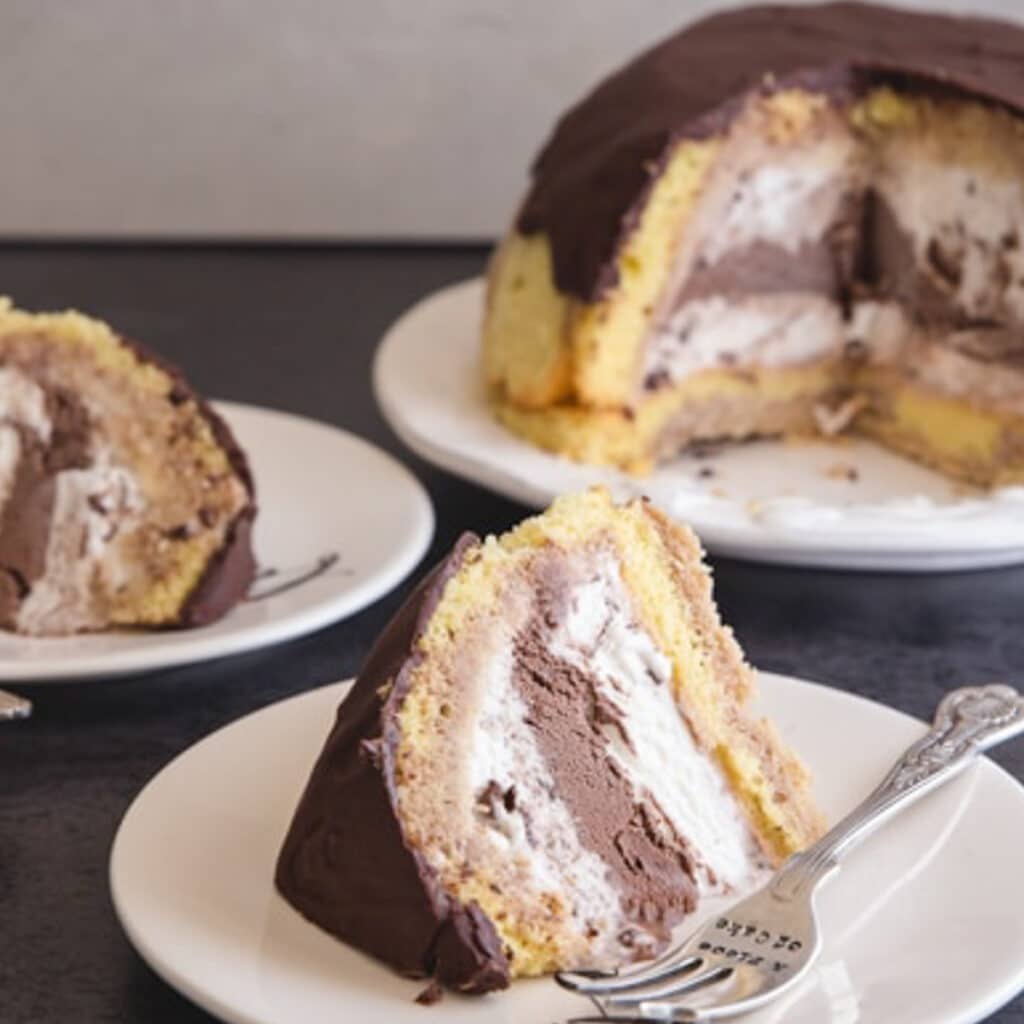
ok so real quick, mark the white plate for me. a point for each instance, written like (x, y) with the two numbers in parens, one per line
(322, 492)
(769, 501)
(923, 925)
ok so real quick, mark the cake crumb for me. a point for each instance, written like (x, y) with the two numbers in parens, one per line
(843, 471)
(834, 420)
(432, 994)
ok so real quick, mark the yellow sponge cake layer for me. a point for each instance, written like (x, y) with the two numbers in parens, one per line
(522, 303)
(965, 441)
(719, 404)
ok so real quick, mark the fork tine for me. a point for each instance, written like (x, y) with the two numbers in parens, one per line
(581, 983)
(606, 1020)
(678, 988)
(679, 1016)
(665, 1014)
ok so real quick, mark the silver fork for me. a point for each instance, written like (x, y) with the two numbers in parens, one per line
(764, 944)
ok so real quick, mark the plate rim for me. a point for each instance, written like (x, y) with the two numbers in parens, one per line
(761, 542)
(196, 649)
(998, 997)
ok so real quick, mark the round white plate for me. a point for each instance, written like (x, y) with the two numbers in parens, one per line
(922, 924)
(326, 498)
(844, 505)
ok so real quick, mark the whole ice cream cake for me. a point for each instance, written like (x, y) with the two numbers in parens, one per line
(783, 220)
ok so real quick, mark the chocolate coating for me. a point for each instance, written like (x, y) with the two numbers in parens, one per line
(591, 178)
(226, 578)
(345, 864)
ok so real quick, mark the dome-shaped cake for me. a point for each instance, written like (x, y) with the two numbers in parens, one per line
(782, 220)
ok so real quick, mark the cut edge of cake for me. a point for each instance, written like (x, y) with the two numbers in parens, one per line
(589, 632)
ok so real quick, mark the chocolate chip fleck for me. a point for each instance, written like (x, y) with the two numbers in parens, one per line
(488, 796)
(656, 379)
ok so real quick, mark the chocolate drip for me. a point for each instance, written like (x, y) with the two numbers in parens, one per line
(283, 582)
(591, 178)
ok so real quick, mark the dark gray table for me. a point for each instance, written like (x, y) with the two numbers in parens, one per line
(295, 328)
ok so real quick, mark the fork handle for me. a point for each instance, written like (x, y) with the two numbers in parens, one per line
(968, 721)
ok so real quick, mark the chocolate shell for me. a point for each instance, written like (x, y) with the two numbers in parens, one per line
(591, 179)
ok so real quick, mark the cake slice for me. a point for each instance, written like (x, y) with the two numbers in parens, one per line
(124, 498)
(546, 760)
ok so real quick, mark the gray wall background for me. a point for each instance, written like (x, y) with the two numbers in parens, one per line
(298, 118)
